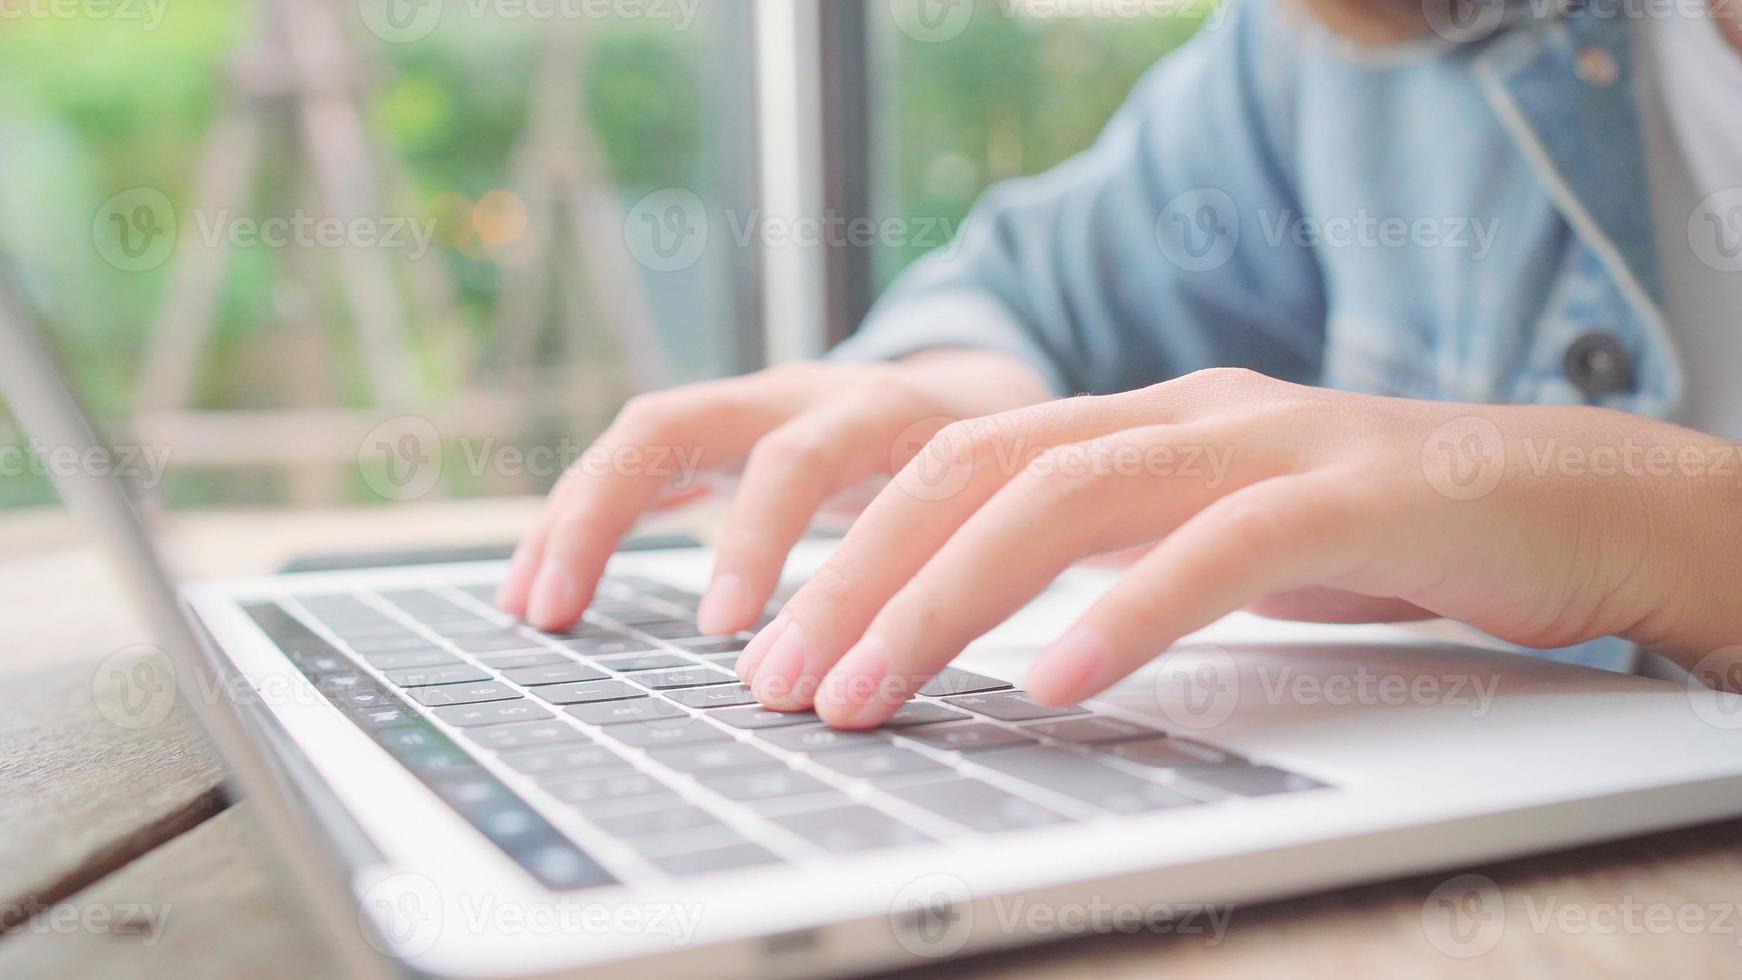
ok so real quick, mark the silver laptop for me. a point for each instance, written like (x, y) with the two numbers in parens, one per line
(463, 795)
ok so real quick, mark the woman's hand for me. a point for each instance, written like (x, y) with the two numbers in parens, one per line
(1545, 526)
(799, 432)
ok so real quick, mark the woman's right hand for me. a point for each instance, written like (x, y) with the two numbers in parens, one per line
(800, 432)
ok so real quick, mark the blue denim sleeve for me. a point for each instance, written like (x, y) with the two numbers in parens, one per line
(1145, 257)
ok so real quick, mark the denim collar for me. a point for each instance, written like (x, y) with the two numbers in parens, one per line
(1567, 89)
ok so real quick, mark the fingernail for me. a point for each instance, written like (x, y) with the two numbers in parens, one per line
(723, 606)
(553, 596)
(758, 646)
(1069, 670)
(779, 673)
(519, 567)
(854, 689)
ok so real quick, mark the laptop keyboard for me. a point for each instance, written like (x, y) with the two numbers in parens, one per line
(626, 748)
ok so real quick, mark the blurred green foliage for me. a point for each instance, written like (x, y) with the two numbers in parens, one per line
(91, 107)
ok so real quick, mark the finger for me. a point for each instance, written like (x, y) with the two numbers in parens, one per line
(1275, 535)
(941, 486)
(652, 441)
(789, 474)
(1076, 501)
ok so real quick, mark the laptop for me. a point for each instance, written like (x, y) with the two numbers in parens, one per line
(459, 794)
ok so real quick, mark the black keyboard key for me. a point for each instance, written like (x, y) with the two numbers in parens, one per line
(492, 713)
(923, 713)
(954, 680)
(714, 757)
(967, 738)
(566, 672)
(975, 805)
(431, 657)
(1093, 730)
(388, 643)
(411, 738)
(614, 786)
(436, 676)
(685, 677)
(1243, 780)
(726, 858)
(433, 697)
(587, 692)
(1170, 753)
(566, 760)
(386, 717)
(712, 645)
(625, 711)
(820, 739)
(879, 762)
(608, 645)
(846, 829)
(1083, 778)
(531, 658)
(766, 785)
(497, 642)
(715, 696)
(754, 716)
(525, 735)
(666, 731)
(558, 864)
(1011, 706)
(669, 820)
(627, 663)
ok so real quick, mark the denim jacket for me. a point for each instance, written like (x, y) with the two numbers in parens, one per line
(1462, 221)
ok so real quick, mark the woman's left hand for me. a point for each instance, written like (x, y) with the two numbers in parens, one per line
(1544, 526)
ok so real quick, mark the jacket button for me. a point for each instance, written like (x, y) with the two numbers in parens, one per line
(1598, 365)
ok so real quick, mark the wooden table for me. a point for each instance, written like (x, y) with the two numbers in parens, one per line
(120, 856)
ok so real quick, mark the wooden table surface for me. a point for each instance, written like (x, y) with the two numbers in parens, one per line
(121, 857)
